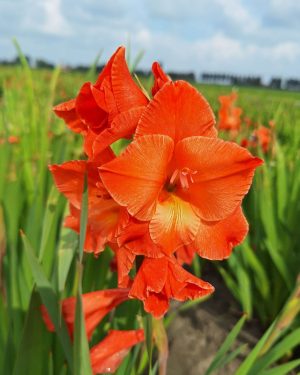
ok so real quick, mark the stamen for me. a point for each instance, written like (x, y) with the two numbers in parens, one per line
(174, 176)
(184, 176)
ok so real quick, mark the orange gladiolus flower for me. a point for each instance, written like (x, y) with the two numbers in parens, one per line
(229, 115)
(159, 280)
(107, 110)
(176, 174)
(177, 189)
(264, 137)
(95, 306)
(107, 356)
(12, 139)
(104, 214)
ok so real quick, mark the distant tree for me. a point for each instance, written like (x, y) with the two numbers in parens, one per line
(40, 63)
(292, 84)
(275, 83)
(186, 76)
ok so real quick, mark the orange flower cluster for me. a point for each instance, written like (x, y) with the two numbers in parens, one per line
(260, 137)
(230, 121)
(12, 139)
(229, 114)
(176, 190)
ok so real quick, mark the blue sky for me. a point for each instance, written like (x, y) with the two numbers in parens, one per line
(231, 36)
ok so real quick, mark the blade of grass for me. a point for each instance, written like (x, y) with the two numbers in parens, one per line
(148, 329)
(246, 366)
(274, 354)
(230, 339)
(282, 369)
(31, 358)
(49, 299)
(82, 365)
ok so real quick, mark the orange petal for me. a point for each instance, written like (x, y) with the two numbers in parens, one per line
(136, 177)
(185, 254)
(103, 220)
(88, 110)
(106, 71)
(149, 283)
(224, 173)
(102, 225)
(126, 93)
(215, 240)
(69, 178)
(123, 126)
(136, 238)
(174, 224)
(102, 156)
(107, 356)
(95, 306)
(179, 111)
(160, 77)
(125, 260)
(183, 285)
(89, 139)
(68, 113)
(154, 272)
(156, 304)
(159, 280)
(103, 211)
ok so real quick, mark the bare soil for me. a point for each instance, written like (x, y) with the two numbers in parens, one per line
(196, 334)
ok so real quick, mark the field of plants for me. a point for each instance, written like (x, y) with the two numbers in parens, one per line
(43, 262)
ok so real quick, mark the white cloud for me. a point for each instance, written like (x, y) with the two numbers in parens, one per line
(237, 13)
(54, 20)
(188, 35)
(46, 16)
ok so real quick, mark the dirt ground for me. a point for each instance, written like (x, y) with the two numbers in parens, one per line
(196, 334)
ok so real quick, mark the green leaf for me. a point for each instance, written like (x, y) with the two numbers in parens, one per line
(82, 365)
(148, 329)
(227, 344)
(282, 369)
(68, 243)
(252, 356)
(245, 288)
(83, 219)
(49, 299)
(232, 355)
(33, 349)
(274, 354)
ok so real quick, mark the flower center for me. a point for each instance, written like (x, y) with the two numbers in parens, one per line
(183, 177)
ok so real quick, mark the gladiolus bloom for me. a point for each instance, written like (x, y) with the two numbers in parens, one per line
(107, 356)
(103, 212)
(107, 110)
(159, 280)
(176, 174)
(264, 137)
(229, 114)
(176, 189)
(95, 306)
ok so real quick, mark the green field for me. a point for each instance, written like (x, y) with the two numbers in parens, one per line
(40, 265)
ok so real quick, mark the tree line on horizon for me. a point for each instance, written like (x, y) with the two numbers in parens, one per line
(278, 83)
